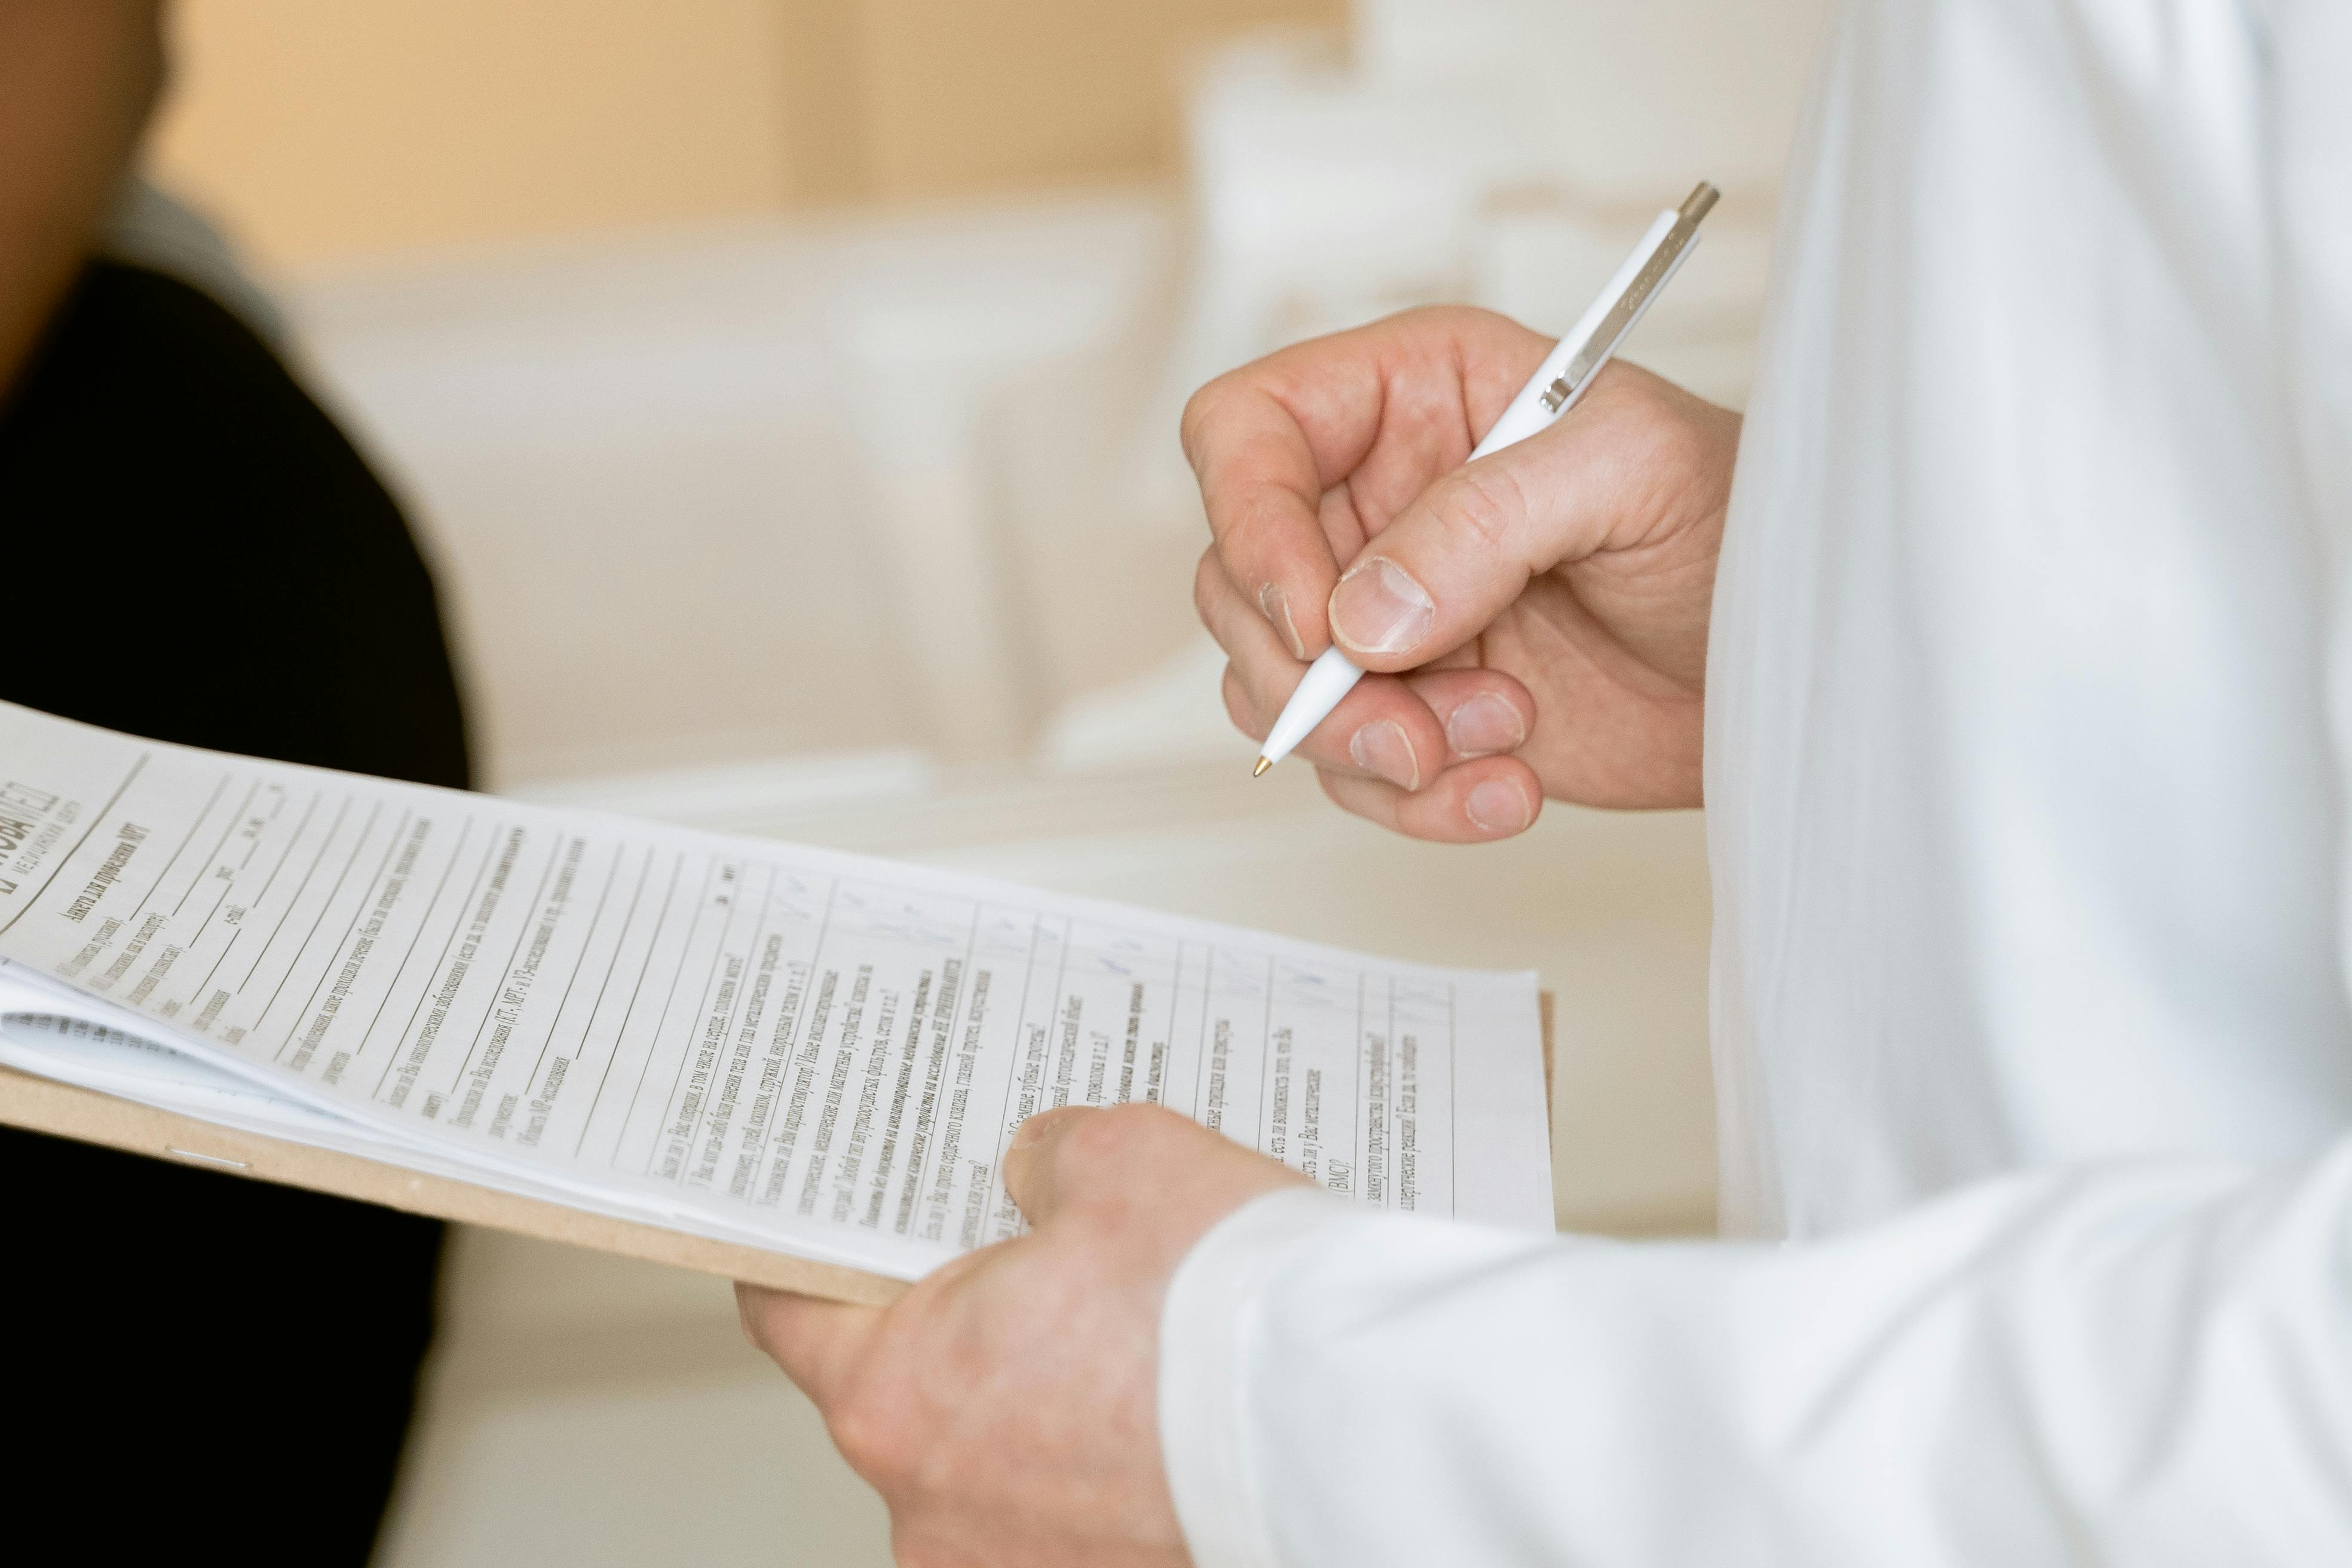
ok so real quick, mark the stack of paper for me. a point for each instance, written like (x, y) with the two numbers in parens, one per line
(810, 1054)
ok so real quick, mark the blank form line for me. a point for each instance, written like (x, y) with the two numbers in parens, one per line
(424, 923)
(792, 1040)
(694, 1035)
(357, 910)
(185, 839)
(254, 848)
(677, 869)
(490, 853)
(956, 1015)
(1389, 1105)
(1061, 1001)
(742, 990)
(588, 1030)
(1201, 1053)
(296, 901)
(286, 855)
(69, 854)
(320, 918)
(1266, 1078)
(532, 912)
(556, 1019)
(702, 907)
(227, 828)
(202, 926)
(1168, 1034)
(1356, 1172)
(997, 1194)
(1452, 1112)
(205, 984)
(1019, 1026)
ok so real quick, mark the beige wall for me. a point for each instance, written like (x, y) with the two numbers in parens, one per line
(979, 94)
(324, 130)
(323, 133)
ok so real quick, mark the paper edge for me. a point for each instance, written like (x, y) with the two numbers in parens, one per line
(47, 1106)
(88, 1115)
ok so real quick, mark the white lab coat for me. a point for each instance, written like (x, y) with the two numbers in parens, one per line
(2027, 715)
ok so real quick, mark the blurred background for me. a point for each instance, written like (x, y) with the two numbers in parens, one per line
(786, 391)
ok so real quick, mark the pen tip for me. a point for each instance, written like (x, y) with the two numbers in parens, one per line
(1263, 763)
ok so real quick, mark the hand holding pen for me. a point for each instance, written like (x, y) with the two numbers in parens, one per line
(1535, 621)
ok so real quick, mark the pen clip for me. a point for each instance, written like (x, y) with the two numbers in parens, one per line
(1635, 301)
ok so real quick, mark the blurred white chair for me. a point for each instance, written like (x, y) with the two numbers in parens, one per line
(1506, 153)
(717, 495)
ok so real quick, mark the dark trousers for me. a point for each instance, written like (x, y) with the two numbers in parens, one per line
(194, 1367)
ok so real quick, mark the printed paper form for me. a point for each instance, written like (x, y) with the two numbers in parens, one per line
(820, 1051)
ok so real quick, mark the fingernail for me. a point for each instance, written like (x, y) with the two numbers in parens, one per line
(1498, 806)
(1379, 608)
(1484, 725)
(1382, 746)
(1033, 1131)
(1276, 605)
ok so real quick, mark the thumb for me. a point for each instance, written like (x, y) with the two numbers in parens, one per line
(1185, 1173)
(1450, 562)
(1033, 1174)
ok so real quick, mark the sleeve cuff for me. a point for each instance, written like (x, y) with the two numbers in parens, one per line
(1206, 1331)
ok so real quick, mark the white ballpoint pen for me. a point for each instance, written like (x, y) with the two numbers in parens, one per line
(1552, 392)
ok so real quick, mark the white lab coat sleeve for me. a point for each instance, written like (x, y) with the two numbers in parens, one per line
(2130, 1364)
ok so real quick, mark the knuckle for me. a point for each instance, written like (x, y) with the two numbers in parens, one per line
(1661, 422)
(1485, 508)
(1239, 708)
(867, 1429)
(1646, 401)
(749, 1317)
(1187, 425)
(1439, 317)
(1200, 411)
(1095, 1140)
(1334, 784)
(1673, 451)
(1621, 381)
(1112, 1133)
(1367, 798)
(908, 1550)
(1689, 441)
(1112, 1153)
(1141, 1119)
(1207, 578)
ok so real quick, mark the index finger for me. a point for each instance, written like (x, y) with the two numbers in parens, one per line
(1306, 454)
(816, 1343)
(1266, 442)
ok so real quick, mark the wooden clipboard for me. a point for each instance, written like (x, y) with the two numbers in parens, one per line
(43, 1105)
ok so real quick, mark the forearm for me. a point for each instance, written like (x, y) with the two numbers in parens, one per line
(2135, 1364)
(77, 80)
